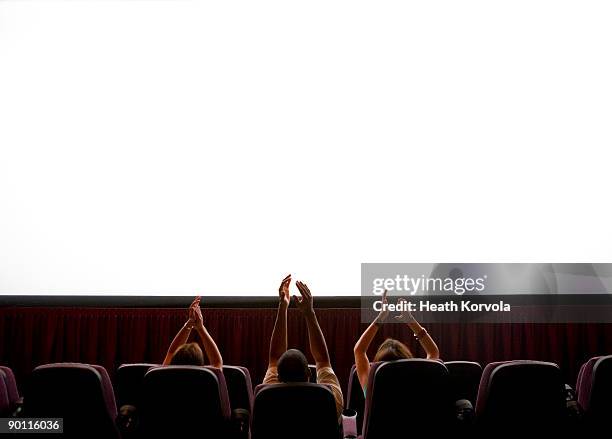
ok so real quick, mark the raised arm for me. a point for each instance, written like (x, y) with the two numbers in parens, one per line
(210, 347)
(362, 363)
(183, 335)
(421, 334)
(278, 341)
(318, 347)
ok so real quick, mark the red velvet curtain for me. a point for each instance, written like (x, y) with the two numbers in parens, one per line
(107, 336)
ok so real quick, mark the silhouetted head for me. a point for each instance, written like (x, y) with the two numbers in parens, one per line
(391, 349)
(293, 367)
(188, 354)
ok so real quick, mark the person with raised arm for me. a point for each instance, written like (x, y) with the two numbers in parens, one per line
(390, 349)
(190, 354)
(290, 365)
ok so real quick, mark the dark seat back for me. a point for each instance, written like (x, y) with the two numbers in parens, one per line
(294, 410)
(522, 396)
(11, 386)
(184, 401)
(313, 373)
(81, 394)
(5, 407)
(128, 381)
(464, 379)
(239, 387)
(594, 389)
(355, 398)
(405, 397)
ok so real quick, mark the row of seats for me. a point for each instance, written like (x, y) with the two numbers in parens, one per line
(404, 395)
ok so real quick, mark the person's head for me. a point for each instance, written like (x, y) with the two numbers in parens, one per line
(391, 349)
(188, 354)
(293, 367)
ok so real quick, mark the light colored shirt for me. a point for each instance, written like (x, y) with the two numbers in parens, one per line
(325, 376)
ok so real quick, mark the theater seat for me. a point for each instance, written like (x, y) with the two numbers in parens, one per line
(313, 373)
(294, 410)
(355, 399)
(594, 388)
(580, 387)
(464, 379)
(239, 387)
(129, 382)
(185, 402)
(240, 393)
(521, 397)
(406, 398)
(5, 407)
(10, 391)
(81, 394)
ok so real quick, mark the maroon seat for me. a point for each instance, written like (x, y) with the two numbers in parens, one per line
(294, 410)
(81, 394)
(407, 397)
(584, 382)
(129, 382)
(185, 401)
(5, 407)
(313, 373)
(525, 397)
(11, 386)
(594, 390)
(355, 399)
(239, 387)
(464, 379)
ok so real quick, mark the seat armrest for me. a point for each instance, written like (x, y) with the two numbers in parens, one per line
(573, 409)
(240, 422)
(464, 411)
(127, 421)
(17, 408)
(570, 393)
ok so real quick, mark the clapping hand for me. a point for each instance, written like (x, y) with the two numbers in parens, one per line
(283, 290)
(406, 316)
(192, 310)
(384, 312)
(305, 302)
(195, 313)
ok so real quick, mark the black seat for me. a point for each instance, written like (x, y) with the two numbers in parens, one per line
(12, 393)
(355, 399)
(184, 402)
(521, 397)
(464, 379)
(294, 410)
(129, 382)
(5, 407)
(313, 373)
(407, 397)
(595, 392)
(81, 394)
(239, 387)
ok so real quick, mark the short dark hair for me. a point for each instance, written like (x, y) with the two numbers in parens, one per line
(293, 367)
(188, 354)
